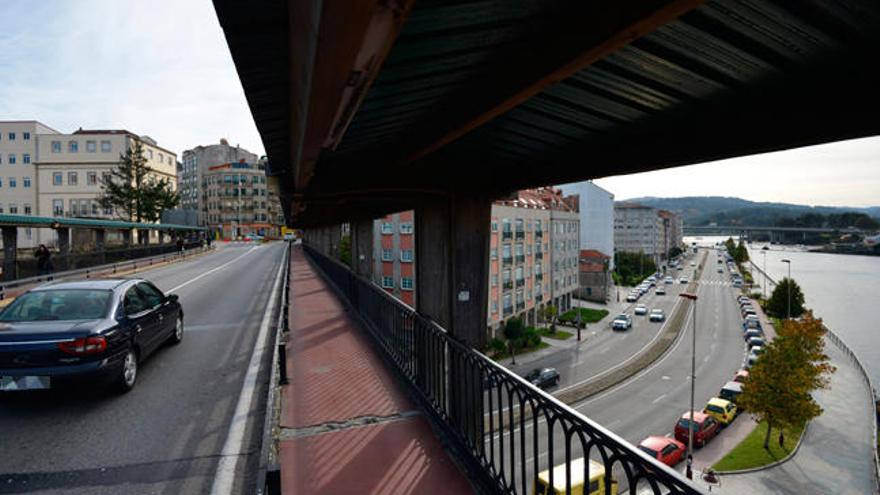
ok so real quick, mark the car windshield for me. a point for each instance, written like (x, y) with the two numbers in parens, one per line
(650, 452)
(714, 408)
(685, 423)
(61, 304)
(533, 375)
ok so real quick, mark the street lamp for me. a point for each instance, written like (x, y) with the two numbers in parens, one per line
(690, 459)
(788, 262)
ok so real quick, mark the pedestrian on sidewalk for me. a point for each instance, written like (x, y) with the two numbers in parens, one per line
(44, 260)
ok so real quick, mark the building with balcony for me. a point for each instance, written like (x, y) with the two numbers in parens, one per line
(638, 229)
(596, 211)
(394, 255)
(194, 167)
(672, 231)
(238, 202)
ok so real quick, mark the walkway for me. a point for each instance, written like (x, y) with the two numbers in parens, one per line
(836, 455)
(347, 427)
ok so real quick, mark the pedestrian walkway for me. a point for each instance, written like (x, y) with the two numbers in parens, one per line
(836, 454)
(346, 425)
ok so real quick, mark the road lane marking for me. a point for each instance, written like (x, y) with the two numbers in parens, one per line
(658, 399)
(224, 265)
(234, 445)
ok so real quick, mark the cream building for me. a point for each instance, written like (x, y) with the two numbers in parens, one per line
(70, 166)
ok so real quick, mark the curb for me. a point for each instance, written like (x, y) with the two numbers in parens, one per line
(773, 464)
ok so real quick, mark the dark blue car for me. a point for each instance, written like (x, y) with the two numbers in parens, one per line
(91, 330)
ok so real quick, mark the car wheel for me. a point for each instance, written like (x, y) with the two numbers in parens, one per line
(127, 377)
(556, 382)
(177, 335)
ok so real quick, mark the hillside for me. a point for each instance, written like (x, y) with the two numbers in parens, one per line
(702, 210)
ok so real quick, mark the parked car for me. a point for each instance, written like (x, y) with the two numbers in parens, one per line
(741, 375)
(753, 332)
(660, 291)
(751, 359)
(543, 377)
(632, 297)
(95, 331)
(669, 451)
(720, 270)
(622, 321)
(756, 349)
(578, 483)
(705, 428)
(756, 342)
(750, 323)
(731, 390)
(721, 409)
(657, 314)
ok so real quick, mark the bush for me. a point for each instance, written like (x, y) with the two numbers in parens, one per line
(497, 345)
(531, 338)
(588, 315)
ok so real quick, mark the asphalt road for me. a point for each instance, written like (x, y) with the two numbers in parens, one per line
(651, 402)
(165, 436)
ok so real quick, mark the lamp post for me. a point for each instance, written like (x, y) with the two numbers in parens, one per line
(690, 458)
(764, 285)
(788, 262)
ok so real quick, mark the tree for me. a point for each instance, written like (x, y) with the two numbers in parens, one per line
(513, 330)
(741, 254)
(345, 250)
(632, 268)
(132, 192)
(777, 304)
(550, 313)
(674, 251)
(780, 384)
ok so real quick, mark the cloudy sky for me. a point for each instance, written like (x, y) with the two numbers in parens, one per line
(162, 68)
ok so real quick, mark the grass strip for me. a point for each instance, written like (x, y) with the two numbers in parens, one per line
(558, 334)
(750, 453)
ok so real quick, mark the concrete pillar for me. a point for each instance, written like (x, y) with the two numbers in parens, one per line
(63, 261)
(362, 248)
(126, 238)
(452, 265)
(10, 249)
(335, 240)
(100, 236)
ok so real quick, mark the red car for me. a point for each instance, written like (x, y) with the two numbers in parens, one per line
(669, 451)
(705, 428)
(741, 375)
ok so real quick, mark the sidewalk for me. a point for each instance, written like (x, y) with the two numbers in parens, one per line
(346, 426)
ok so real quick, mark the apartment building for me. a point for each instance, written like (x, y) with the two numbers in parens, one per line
(672, 231)
(18, 157)
(194, 166)
(639, 228)
(236, 200)
(596, 210)
(529, 268)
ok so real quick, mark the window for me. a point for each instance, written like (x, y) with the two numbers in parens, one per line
(25, 158)
(94, 208)
(26, 182)
(494, 225)
(495, 280)
(387, 255)
(56, 146)
(105, 146)
(12, 159)
(150, 154)
(12, 182)
(406, 255)
(26, 136)
(91, 146)
(58, 207)
(388, 282)
(12, 136)
(494, 254)
(72, 146)
(73, 208)
(406, 228)
(1, 208)
(71, 178)
(133, 303)
(406, 283)
(84, 207)
(150, 294)
(387, 228)
(13, 209)
(27, 209)
(161, 158)
(91, 178)
(505, 250)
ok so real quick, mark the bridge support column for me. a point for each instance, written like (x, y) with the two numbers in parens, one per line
(126, 238)
(452, 265)
(334, 240)
(100, 237)
(362, 248)
(63, 262)
(10, 250)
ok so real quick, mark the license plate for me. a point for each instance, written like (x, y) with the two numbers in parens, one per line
(14, 383)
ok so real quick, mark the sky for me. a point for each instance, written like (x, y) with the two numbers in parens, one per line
(162, 68)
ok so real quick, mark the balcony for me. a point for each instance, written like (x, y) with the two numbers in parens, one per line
(520, 258)
(507, 260)
(439, 369)
(539, 298)
(506, 236)
(508, 284)
(539, 255)
(539, 234)
(520, 234)
(520, 282)
(539, 276)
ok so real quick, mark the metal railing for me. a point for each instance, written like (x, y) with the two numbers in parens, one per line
(520, 282)
(486, 411)
(539, 234)
(539, 255)
(507, 260)
(508, 284)
(506, 236)
(520, 234)
(520, 258)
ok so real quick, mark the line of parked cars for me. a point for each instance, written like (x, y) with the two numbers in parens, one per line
(753, 333)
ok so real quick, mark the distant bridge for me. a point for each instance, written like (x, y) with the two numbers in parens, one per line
(748, 230)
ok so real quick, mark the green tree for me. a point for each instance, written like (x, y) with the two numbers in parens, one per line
(777, 304)
(345, 250)
(133, 192)
(513, 330)
(674, 251)
(550, 313)
(740, 253)
(780, 384)
(632, 268)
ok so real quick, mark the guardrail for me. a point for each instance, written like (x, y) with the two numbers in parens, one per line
(472, 401)
(98, 270)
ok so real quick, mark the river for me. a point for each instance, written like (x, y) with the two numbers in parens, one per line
(839, 288)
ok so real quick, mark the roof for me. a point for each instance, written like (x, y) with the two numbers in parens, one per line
(656, 442)
(98, 284)
(55, 222)
(593, 253)
(699, 416)
(365, 111)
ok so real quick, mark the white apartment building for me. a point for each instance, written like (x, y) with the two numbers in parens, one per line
(194, 167)
(18, 157)
(596, 210)
(637, 229)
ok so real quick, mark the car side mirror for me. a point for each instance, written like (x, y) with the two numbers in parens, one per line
(172, 297)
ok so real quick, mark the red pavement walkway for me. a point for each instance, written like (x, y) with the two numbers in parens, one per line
(346, 425)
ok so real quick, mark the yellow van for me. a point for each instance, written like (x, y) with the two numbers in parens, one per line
(596, 486)
(722, 410)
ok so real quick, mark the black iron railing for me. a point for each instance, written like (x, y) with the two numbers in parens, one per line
(539, 234)
(520, 282)
(539, 255)
(520, 234)
(508, 284)
(507, 260)
(506, 430)
(520, 258)
(506, 235)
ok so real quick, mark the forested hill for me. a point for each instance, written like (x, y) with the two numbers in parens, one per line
(703, 210)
